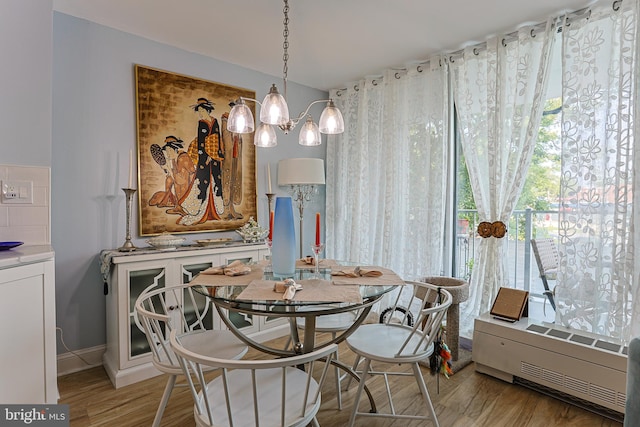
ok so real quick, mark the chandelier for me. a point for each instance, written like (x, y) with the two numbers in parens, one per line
(274, 111)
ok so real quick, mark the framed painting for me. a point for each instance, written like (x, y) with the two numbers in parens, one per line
(193, 175)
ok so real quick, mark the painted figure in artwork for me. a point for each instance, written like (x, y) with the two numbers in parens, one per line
(179, 171)
(232, 170)
(204, 201)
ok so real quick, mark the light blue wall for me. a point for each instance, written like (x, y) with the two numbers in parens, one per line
(25, 76)
(93, 130)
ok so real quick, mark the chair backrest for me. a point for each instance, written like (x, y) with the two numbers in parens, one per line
(432, 301)
(160, 310)
(272, 392)
(546, 254)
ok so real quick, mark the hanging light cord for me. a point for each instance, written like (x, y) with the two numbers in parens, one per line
(285, 46)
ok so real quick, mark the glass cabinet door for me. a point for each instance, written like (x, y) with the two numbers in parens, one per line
(204, 305)
(139, 281)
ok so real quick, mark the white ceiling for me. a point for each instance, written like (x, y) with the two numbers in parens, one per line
(332, 42)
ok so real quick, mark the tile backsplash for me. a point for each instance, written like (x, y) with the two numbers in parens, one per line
(27, 222)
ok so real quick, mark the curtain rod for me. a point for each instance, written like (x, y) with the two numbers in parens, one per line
(399, 72)
(565, 20)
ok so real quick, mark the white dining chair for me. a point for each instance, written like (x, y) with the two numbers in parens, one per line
(396, 343)
(278, 392)
(177, 308)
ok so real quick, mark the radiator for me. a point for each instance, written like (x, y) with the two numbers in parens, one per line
(572, 363)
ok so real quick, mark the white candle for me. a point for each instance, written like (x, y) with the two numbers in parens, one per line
(130, 169)
(269, 177)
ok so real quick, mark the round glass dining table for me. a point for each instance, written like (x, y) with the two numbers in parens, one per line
(229, 298)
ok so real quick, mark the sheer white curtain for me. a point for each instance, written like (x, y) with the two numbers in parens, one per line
(597, 290)
(387, 175)
(499, 97)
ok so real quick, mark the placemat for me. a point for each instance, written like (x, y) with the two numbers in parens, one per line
(313, 290)
(323, 263)
(223, 280)
(388, 277)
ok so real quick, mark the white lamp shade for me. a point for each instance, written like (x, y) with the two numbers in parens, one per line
(309, 134)
(265, 136)
(240, 119)
(300, 171)
(331, 121)
(274, 110)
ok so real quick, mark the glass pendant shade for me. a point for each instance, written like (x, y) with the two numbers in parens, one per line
(265, 136)
(240, 119)
(331, 121)
(274, 110)
(309, 134)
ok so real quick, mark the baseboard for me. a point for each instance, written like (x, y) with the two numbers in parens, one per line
(69, 363)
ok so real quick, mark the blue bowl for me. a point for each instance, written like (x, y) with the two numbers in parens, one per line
(9, 245)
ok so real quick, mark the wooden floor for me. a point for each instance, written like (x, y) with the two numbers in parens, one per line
(467, 399)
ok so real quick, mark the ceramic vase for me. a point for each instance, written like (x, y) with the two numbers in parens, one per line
(283, 247)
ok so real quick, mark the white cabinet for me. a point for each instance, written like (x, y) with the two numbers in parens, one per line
(127, 359)
(28, 332)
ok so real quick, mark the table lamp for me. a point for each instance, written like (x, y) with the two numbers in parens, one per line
(303, 176)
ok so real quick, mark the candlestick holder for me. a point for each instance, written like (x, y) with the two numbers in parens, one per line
(316, 260)
(128, 246)
(270, 199)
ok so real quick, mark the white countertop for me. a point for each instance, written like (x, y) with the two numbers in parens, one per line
(25, 254)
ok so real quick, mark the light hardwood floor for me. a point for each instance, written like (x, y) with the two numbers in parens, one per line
(467, 399)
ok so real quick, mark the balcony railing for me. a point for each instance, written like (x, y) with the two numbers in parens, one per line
(523, 226)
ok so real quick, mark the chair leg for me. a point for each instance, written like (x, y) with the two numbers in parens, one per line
(171, 381)
(356, 402)
(548, 292)
(338, 389)
(425, 393)
(337, 373)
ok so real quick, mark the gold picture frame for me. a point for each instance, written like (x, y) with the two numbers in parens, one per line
(193, 175)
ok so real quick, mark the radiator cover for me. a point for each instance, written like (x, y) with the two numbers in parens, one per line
(571, 362)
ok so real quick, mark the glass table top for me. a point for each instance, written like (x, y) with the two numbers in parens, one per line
(229, 293)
